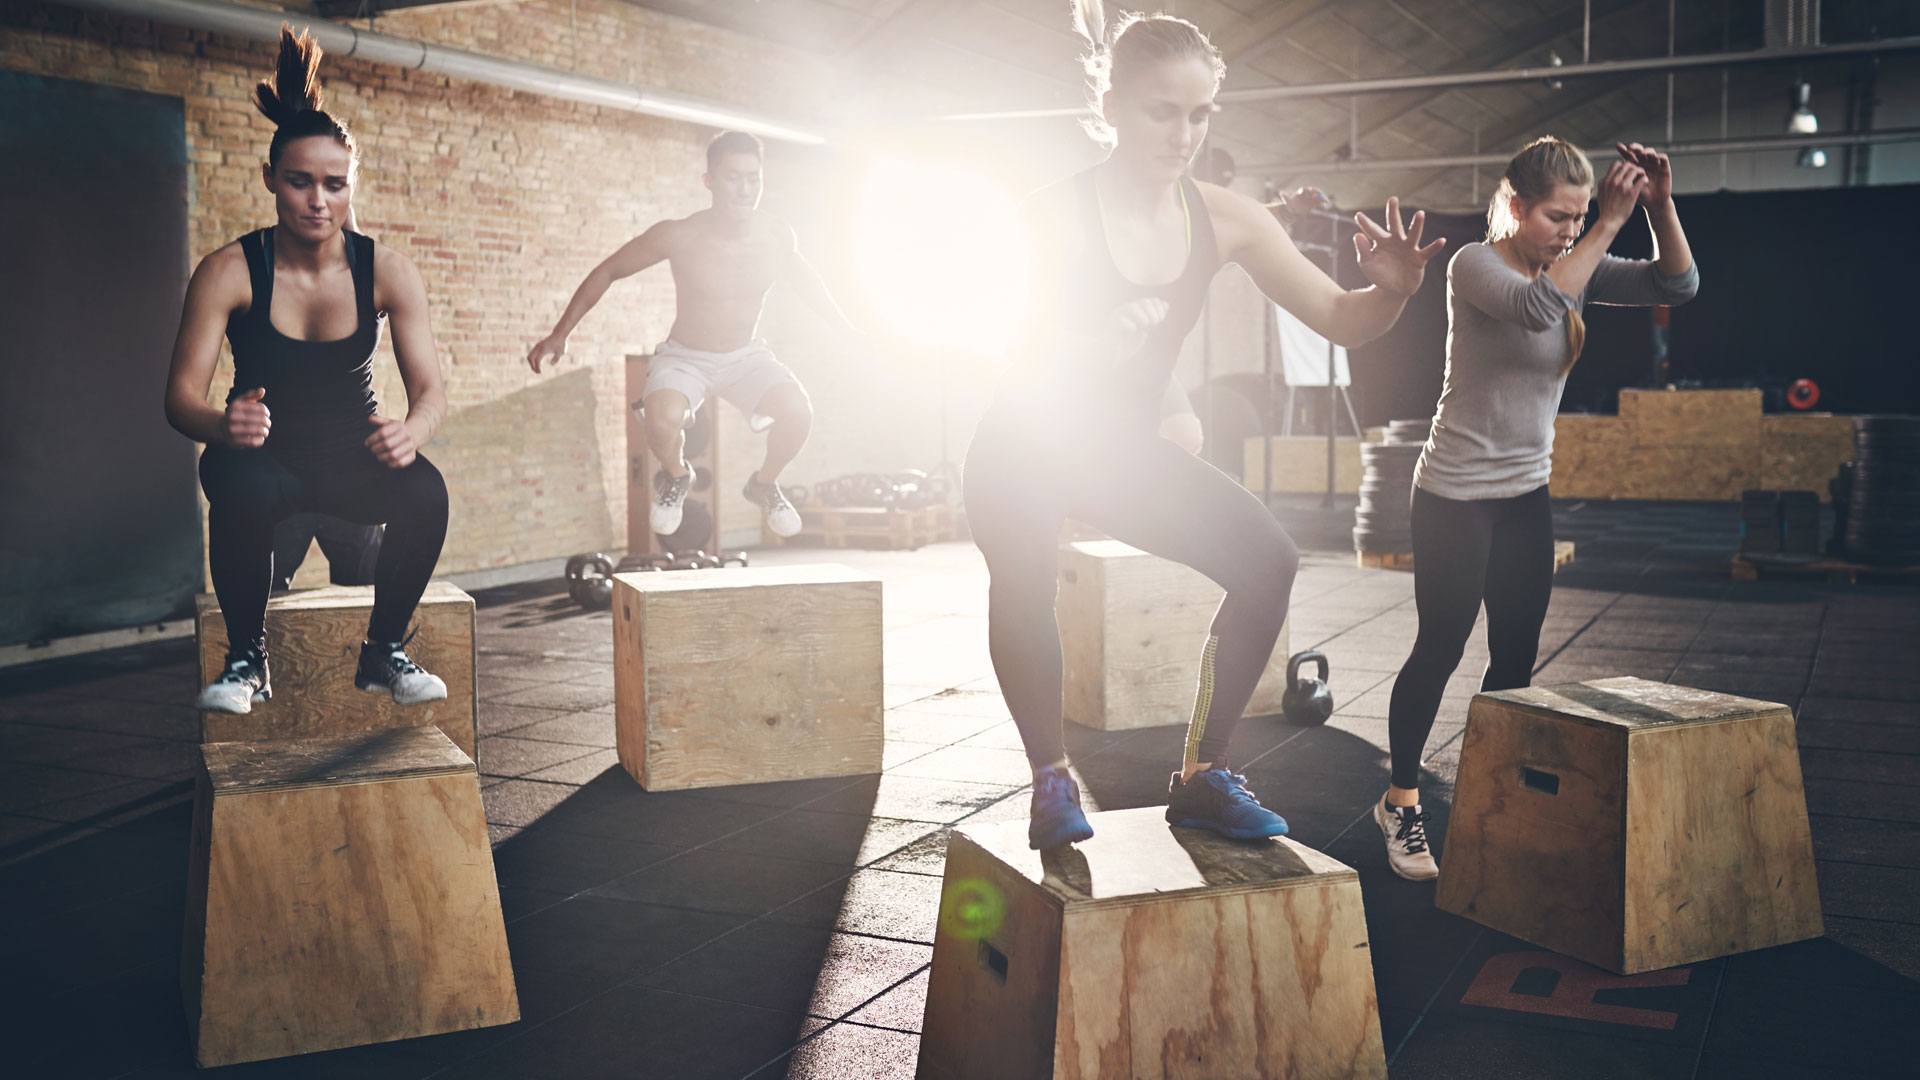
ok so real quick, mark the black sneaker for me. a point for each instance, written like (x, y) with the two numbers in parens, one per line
(244, 682)
(1218, 799)
(385, 666)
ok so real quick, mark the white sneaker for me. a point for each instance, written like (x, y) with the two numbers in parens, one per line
(388, 668)
(238, 687)
(782, 519)
(669, 498)
(1406, 832)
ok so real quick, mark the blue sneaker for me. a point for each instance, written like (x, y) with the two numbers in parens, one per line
(1056, 818)
(1218, 799)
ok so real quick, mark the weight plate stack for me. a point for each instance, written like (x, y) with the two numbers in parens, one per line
(1383, 524)
(1883, 509)
(1409, 431)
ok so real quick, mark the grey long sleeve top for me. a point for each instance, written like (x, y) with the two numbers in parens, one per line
(1506, 350)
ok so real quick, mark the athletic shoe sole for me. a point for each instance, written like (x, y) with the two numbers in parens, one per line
(1231, 834)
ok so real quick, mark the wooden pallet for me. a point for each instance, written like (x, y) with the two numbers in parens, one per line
(1403, 560)
(874, 528)
(1752, 567)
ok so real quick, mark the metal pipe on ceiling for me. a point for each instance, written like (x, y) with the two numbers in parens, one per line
(1455, 79)
(1703, 146)
(259, 24)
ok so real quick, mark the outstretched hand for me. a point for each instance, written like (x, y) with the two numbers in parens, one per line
(1393, 258)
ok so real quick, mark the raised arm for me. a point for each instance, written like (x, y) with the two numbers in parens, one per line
(800, 276)
(1484, 279)
(634, 256)
(1671, 277)
(1391, 257)
(219, 288)
(403, 296)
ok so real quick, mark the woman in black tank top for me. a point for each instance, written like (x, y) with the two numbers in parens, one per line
(301, 430)
(1124, 255)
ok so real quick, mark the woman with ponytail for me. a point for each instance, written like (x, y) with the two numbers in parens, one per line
(1123, 255)
(1482, 525)
(301, 305)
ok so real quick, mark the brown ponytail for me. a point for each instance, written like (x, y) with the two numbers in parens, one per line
(292, 99)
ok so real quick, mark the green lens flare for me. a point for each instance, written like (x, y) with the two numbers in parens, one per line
(972, 909)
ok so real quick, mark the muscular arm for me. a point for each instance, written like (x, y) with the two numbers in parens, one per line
(635, 255)
(219, 287)
(403, 296)
(806, 282)
(1253, 239)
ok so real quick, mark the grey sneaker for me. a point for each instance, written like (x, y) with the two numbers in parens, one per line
(782, 519)
(385, 666)
(1406, 831)
(244, 682)
(669, 497)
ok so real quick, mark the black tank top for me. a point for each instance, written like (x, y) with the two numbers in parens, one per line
(319, 393)
(1131, 392)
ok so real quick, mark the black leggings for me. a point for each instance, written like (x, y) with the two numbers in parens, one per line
(1137, 487)
(1499, 551)
(249, 491)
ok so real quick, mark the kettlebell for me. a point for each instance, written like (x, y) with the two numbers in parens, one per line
(593, 587)
(1307, 701)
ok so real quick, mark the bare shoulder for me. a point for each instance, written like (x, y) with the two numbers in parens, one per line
(1236, 218)
(389, 261)
(222, 278)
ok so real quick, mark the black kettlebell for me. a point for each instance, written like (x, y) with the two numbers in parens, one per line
(590, 581)
(1307, 701)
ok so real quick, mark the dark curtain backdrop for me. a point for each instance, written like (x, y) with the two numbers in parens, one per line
(99, 525)
(1815, 284)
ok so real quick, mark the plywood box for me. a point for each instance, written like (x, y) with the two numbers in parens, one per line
(1726, 418)
(1686, 473)
(747, 675)
(1299, 464)
(1148, 951)
(313, 649)
(1132, 627)
(340, 892)
(1631, 824)
(1588, 454)
(1801, 452)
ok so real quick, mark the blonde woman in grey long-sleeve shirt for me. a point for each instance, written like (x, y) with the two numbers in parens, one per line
(1482, 524)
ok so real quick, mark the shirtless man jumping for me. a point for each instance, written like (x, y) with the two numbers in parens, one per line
(723, 259)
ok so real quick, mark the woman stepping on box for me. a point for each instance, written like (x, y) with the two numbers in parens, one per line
(301, 304)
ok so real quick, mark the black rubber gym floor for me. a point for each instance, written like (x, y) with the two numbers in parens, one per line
(785, 929)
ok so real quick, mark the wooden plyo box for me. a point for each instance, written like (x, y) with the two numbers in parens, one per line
(1147, 951)
(340, 892)
(746, 675)
(1132, 627)
(313, 648)
(1631, 824)
(1299, 464)
(1803, 451)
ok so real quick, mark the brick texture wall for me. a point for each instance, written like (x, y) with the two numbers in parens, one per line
(505, 200)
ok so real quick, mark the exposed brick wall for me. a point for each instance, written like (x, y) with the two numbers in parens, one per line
(504, 200)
